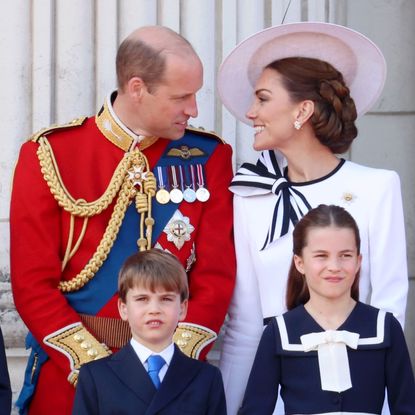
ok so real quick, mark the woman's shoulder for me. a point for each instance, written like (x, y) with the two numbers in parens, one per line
(370, 172)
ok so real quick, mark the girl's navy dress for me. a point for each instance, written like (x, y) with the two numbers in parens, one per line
(381, 360)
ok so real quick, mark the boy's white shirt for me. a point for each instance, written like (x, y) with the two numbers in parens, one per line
(144, 353)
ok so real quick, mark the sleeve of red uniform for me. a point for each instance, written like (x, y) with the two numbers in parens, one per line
(36, 255)
(212, 277)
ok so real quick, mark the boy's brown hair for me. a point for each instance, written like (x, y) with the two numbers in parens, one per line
(152, 269)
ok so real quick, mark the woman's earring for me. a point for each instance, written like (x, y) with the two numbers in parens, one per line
(297, 124)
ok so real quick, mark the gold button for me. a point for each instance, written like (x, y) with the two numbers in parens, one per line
(181, 343)
(92, 352)
(85, 345)
(79, 338)
(187, 335)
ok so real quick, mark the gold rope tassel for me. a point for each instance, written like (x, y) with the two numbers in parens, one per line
(147, 184)
(79, 207)
(132, 179)
(104, 246)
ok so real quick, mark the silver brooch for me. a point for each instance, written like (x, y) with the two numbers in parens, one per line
(178, 229)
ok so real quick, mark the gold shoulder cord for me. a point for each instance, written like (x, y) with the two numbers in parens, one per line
(132, 179)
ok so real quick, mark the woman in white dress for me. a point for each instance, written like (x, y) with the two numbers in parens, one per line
(302, 86)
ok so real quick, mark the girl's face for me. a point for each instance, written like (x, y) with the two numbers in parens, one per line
(329, 262)
(273, 113)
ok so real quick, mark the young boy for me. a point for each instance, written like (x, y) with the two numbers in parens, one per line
(153, 294)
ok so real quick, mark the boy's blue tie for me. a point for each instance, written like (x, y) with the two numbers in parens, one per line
(155, 363)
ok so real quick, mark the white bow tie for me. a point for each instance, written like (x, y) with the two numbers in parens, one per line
(266, 177)
(333, 360)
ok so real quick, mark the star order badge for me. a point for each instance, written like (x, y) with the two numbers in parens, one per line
(178, 229)
(137, 175)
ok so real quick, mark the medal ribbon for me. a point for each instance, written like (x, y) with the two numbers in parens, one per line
(192, 173)
(181, 177)
(200, 176)
(174, 177)
(160, 177)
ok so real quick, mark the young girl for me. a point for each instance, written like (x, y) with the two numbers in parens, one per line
(330, 353)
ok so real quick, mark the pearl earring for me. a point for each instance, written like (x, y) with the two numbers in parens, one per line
(297, 124)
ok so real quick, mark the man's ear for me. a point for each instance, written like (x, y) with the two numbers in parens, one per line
(135, 88)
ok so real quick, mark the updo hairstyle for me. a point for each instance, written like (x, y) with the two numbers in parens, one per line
(335, 113)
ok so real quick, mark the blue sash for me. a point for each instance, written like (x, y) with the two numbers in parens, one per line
(96, 294)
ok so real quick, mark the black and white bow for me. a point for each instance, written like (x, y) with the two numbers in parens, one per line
(265, 177)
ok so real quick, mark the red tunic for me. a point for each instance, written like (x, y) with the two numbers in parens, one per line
(39, 235)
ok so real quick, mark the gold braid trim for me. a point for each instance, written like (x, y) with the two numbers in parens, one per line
(105, 245)
(143, 206)
(147, 186)
(78, 207)
(78, 345)
(52, 128)
(193, 338)
(132, 178)
(69, 254)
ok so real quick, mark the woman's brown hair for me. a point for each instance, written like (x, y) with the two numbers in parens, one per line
(320, 217)
(335, 113)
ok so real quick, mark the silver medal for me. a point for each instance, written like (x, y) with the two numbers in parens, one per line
(189, 195)
(202, 194)
(176, 195)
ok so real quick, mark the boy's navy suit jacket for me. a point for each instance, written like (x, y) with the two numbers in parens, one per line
(119, 384)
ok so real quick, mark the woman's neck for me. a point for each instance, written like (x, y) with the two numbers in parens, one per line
(330, 315)
(309, 160)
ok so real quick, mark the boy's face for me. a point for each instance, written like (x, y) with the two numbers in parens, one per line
(152, 316)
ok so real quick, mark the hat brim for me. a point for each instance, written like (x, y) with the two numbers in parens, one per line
(359, 60)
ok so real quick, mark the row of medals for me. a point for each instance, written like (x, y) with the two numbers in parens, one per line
(186, 192)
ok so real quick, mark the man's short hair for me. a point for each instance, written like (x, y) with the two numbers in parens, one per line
(153, 269)
(136, 57)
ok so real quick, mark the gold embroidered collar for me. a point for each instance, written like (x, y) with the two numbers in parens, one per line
(115, 131)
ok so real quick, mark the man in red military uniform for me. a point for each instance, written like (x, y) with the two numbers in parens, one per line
(89, 193)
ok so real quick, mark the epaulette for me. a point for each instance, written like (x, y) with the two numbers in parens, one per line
(45, 131)
(201, 130)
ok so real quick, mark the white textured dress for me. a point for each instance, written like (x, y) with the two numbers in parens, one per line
(372, 196)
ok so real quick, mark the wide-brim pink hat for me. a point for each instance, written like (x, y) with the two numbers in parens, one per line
(359, 60)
